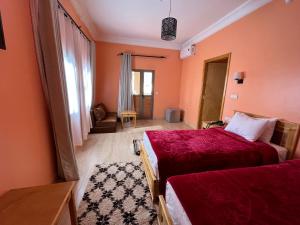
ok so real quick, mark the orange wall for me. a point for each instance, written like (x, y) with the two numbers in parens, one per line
(26, 147)
(265, 45)
(27, 155)
(167, 74)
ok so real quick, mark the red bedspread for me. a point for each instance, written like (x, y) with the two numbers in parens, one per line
(267, 195)
(187, 151)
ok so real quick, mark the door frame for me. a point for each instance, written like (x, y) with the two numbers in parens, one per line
(142, 88)
(205, 68)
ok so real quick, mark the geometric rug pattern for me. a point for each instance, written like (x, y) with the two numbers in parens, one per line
(117, 194)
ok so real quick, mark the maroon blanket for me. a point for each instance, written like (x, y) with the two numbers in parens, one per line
(267, 195)
(188, 151)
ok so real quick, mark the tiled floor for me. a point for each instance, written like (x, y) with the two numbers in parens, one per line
(113, 147)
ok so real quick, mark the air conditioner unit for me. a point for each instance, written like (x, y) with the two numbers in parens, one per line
(187, 51)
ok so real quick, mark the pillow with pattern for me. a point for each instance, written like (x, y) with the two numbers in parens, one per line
(99, 113)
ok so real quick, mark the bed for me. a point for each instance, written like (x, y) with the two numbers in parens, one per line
(284, 142)
(258, 195)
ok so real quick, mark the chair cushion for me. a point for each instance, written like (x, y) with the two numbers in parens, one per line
(108, 121)
(111, 118)
(99, 113)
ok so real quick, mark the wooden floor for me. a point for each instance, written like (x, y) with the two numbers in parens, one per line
(113, 147)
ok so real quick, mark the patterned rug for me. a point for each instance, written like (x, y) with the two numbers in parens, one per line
(117, 193)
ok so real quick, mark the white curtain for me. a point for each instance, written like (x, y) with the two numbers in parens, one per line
(93, 67)
(125, 101)
(79, 79)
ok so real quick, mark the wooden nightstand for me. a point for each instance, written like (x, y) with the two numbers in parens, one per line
(42, 205)
(204, 124)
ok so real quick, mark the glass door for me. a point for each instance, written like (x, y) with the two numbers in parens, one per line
(142, 89)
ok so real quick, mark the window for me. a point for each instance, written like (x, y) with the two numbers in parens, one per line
(136, 83)
(71, 86)
(148, 83)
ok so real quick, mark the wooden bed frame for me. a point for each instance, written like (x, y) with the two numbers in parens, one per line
(153, 182)
(164, 217)
(286, 134)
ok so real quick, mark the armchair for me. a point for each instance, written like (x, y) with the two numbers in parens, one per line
(103, 121)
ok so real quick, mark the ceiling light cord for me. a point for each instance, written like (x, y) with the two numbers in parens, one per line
(170, 8)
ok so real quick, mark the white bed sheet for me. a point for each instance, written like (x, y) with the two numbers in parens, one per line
(176, 211)
(151, 155)
(282, 152)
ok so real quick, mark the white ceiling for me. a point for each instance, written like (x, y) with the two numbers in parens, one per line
(139, 21)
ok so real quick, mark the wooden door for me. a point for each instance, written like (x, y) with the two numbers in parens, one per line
(214, 88)
(213, 91)
(142, 89)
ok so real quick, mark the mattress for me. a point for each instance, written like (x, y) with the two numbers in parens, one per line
(282, 152)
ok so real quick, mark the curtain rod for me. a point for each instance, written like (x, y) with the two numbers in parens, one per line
(147, 56)
(79, 27)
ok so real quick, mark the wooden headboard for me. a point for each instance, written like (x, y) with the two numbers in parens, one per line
(286, 134)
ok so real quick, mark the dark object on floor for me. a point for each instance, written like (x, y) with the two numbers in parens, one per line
(117, 193)
(137, 145)
(103, 121)
(215, 123)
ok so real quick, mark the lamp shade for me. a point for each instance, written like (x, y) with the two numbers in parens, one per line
(169, 29)
(239, 77)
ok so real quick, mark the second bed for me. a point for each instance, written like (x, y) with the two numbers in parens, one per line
(261, 195)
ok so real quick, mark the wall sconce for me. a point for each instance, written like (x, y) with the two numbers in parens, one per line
(238, 77)
(2, 40)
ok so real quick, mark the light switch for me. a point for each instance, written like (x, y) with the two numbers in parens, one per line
(234, 96)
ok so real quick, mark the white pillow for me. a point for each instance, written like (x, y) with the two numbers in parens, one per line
(246, 126)
(269, 130)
